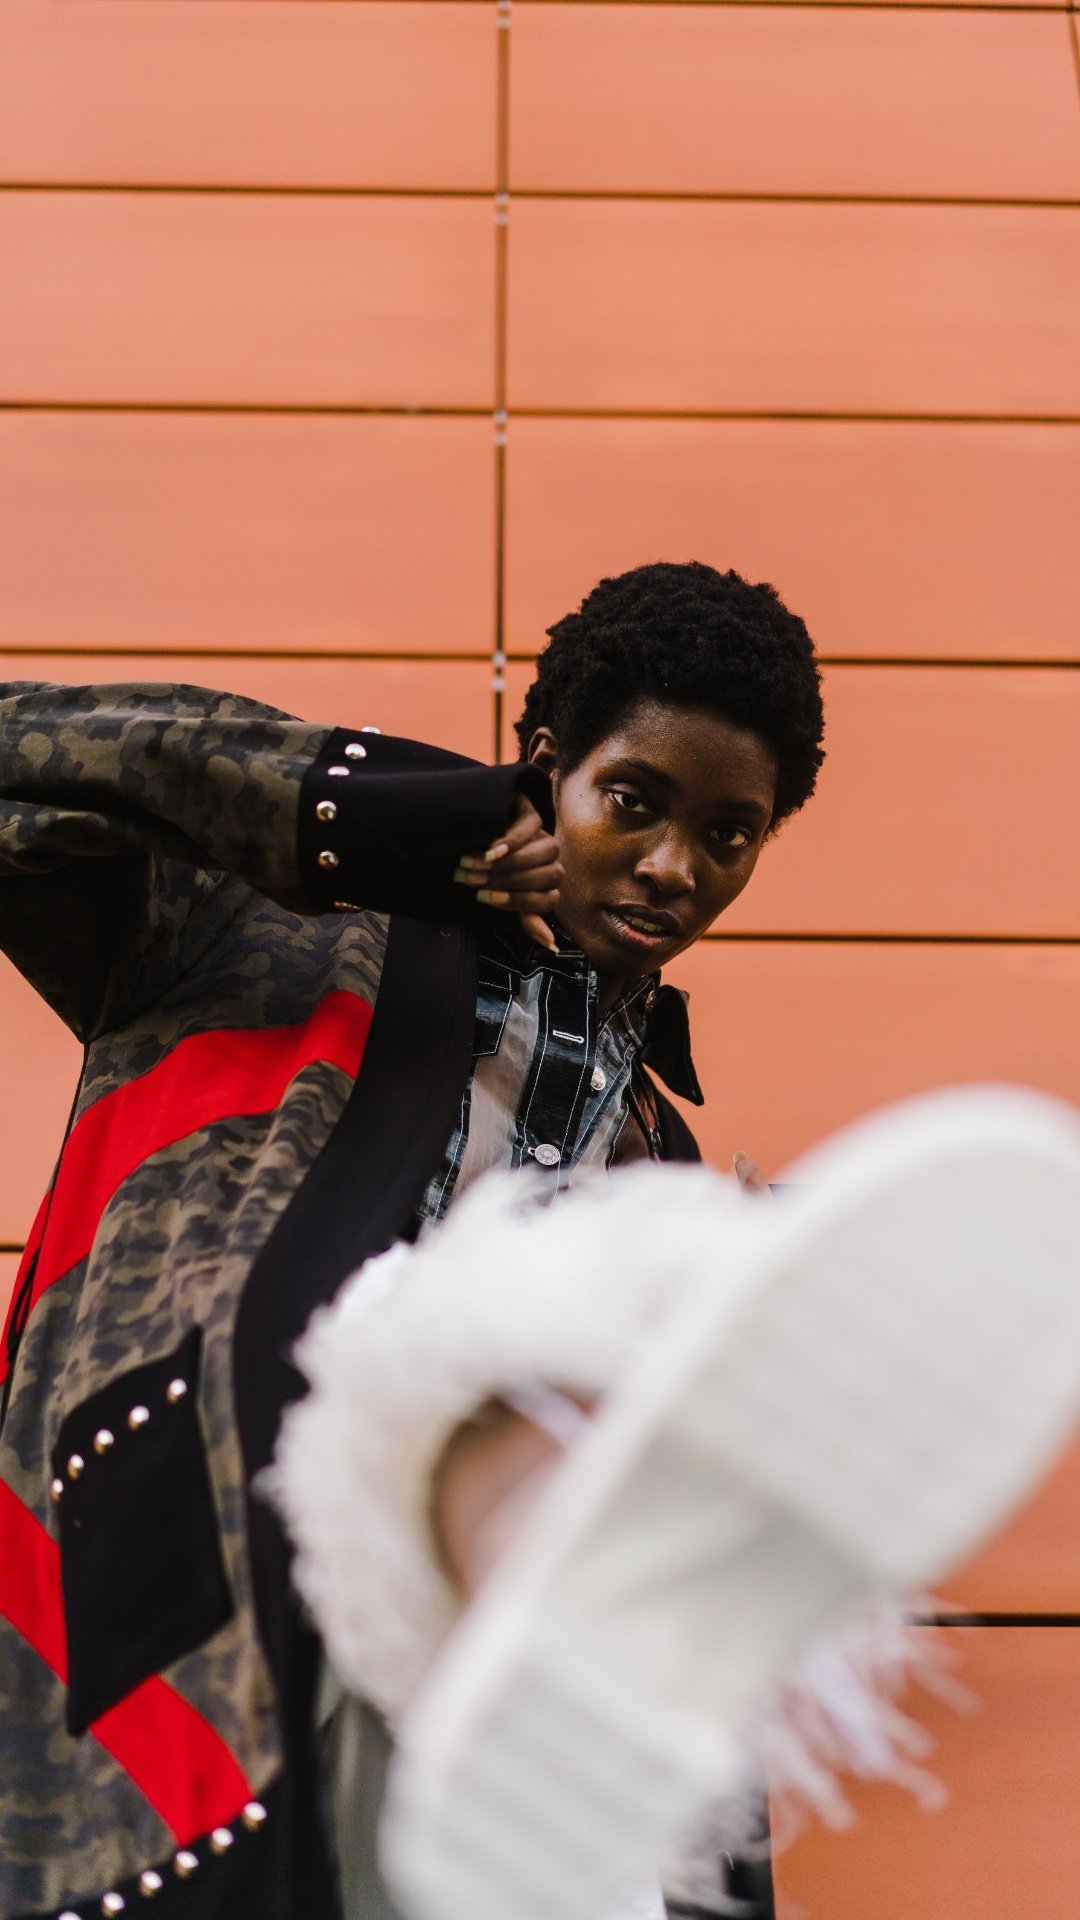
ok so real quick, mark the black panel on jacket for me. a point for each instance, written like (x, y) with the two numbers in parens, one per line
(676, 1140)
(140, 1557)
(356, 1200)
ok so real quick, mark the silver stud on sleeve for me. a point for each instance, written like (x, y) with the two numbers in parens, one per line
(328, 858)
(56, 1491)
(254, 1814)
(371, 729)
(355, 750)
(112, 1903)
(326, 810)
(598, 1080)
(138, 1417)
(175, 1391)
(185, 1863)
(150, 1883)
(221, 1839)
(75, 1466)
(103, 1440)
(338, 773)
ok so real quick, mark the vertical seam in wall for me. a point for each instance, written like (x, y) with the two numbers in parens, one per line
(1073, 30)
(499, 423)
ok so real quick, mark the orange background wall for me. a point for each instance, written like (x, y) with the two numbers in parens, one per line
(344, 346)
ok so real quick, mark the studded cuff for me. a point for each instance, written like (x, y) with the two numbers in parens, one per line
(383, 823)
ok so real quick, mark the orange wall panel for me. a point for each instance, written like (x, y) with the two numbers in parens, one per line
(896, 538)
(706, 99)
(794, 1039)
(260, 532)
(947, 805)
(234, 299)
(1007, 1844)
(807, 308)
(1033, 1564)
(448, 703)
(210, 91)
(41, 1071)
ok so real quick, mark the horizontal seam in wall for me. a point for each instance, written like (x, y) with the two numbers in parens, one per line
(845, 6)
(272, 409)
(796, 416)
(996, 1619)
(811, 6)
(334, 410)
(403, 656)
(795, 939)
(16, 649)
(599, 195)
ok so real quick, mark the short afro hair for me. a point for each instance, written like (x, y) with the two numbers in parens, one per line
(697, 638)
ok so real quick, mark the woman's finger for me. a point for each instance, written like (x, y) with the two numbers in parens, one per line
(541, 900)
(541, 850)
(538, 930)
(750, 1178)
(538, 879)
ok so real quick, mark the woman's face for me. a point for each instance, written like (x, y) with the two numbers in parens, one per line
(659, 830)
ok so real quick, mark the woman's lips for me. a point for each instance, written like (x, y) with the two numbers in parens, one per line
(640, 938)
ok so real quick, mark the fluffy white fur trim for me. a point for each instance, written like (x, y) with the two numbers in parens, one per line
(506, 1291)
(509, 1291)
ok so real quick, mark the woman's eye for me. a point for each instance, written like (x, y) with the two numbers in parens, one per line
(736, 837)
(628, 800)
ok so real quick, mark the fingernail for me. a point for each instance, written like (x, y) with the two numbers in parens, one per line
(491, 898)
(469, 860)
(496, 852)
(737, 1156)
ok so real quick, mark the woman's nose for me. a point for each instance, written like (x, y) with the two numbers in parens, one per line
(668, 866)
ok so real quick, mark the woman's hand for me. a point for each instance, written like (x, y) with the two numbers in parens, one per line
(520, 873)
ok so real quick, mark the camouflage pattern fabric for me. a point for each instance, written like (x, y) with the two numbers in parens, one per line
(149, 889)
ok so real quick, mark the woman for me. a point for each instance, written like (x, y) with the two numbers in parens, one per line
(323, 979)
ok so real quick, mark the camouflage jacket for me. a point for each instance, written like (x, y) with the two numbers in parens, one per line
(251, 924)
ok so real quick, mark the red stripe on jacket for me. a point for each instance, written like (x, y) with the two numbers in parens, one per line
(173, 1755)
(205, 1078)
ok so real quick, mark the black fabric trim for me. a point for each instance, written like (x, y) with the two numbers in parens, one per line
(403, 815)
(370, 1175)
(667, 1045)
(676, 1140)
(140, 1555)
(356, 1200)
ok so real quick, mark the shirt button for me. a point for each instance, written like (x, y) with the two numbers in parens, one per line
(599, 1080)
(547, 1155)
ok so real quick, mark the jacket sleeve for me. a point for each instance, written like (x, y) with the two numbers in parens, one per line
(124, 808)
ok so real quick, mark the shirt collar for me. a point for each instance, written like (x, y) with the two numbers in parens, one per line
(659, 1013)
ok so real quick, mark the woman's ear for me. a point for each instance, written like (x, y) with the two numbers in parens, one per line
(542, 751)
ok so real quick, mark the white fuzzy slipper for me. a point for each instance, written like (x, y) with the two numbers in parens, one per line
(893, 1356)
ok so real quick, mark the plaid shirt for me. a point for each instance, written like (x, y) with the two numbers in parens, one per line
(551, 1080)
